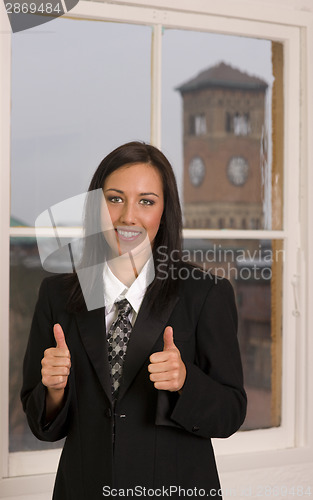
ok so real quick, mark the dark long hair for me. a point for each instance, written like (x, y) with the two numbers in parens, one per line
(167, 245)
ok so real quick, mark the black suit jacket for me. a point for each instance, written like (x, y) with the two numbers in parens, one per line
(162, 439)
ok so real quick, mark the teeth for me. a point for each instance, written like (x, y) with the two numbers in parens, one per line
(128, 234)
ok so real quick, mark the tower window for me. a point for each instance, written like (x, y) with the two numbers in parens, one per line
(232, 223)
(228, 123)
(241, 124)
(197, 125)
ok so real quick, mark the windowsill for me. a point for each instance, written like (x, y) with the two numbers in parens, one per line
(238, 473)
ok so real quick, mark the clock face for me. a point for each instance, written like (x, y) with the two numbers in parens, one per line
(196, 171)
(237, 170)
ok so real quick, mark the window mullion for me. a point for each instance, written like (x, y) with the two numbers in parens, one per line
(239, 234)
(44, 232)
(156, 81)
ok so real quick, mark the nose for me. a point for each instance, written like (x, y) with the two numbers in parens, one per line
(128, 214)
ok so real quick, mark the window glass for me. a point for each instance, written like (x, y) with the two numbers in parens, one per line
(217, 128)
(26, 274)
(254, 268)
(222, 128)
(79, 89)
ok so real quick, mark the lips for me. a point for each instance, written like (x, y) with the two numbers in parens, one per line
(127, 234)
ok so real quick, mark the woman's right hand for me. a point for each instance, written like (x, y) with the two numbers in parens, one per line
(56, 365)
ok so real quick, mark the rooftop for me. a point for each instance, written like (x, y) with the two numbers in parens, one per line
(223, 76)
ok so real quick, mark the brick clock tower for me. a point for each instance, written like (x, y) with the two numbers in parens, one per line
(223, 113)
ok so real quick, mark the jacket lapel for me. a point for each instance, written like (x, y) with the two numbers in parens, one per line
(91, 325)
(143, 336)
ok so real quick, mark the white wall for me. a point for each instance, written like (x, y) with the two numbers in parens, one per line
(289, 4)
(275, 482)
(280, 470)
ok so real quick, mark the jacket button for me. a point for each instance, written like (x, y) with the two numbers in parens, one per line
(108, 413)
(195, 428)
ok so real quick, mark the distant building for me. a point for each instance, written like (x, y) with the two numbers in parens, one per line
(223, 121)
(223, 114)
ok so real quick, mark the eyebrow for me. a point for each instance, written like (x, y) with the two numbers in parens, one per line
(140, 194)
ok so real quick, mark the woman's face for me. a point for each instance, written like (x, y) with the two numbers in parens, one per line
(135, 202)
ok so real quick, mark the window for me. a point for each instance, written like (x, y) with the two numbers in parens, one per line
(200, 125)
(197, 125)
(108, 107)
(238, 124)
(241, 124)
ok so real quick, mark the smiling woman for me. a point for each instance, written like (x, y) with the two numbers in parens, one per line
(134, 198)
(140, 386)
(140, 193)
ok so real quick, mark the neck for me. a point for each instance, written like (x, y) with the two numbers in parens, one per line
(127, 267)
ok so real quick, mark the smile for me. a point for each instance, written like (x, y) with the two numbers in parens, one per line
(127, 235)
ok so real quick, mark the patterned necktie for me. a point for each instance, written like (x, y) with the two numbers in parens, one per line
(118, 337)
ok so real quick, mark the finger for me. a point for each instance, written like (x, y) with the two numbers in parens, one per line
(55, 370)
(158, 357)
(161, 377)
(59, 337)
(165, 386)
(55, 382)
(167, 366)
(57, 356)
(168, 339)
(58, 386)
(163, 356)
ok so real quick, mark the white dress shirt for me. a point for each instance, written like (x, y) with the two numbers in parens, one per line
(115, 290)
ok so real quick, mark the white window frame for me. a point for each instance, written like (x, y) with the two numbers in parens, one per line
(293, 440)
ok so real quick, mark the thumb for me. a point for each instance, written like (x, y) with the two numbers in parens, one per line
(168, 339)
(59, 336)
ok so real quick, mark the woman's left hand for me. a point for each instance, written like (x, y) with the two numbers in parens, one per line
(167, 370)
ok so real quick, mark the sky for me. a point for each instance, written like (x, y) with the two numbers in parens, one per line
(82, 88)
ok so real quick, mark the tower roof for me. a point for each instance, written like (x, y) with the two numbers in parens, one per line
(223, 76)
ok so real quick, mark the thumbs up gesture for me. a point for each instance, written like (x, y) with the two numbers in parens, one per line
(167, 370)
(56, 362)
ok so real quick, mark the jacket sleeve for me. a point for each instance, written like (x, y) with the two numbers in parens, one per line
(33, 393)
(213, 401)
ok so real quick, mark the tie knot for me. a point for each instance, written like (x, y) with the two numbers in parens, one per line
(123, 307)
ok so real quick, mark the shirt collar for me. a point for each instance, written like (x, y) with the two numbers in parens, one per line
(115, 290)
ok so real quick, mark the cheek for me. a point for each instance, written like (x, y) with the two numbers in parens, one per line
(107, 216)
(113, 213)
(155, 220)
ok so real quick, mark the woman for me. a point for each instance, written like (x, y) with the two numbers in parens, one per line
(137, 419)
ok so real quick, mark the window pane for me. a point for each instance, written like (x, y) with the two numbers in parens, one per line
(26, 274)
(217, 128)
(255, 268)
(79, 89)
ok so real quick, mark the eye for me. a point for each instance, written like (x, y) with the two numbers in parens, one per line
(147, 202)
(115, 199)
